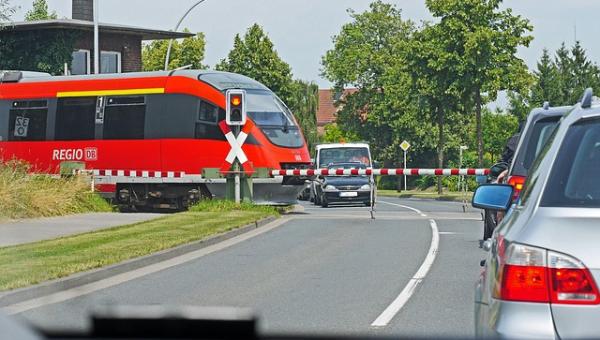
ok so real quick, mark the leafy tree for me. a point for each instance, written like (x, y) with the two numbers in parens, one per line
(576, 73)
(304, 103)
(547, 82)
(333, 134)
(43, 51)
(5, 10)
(256, 57)
(366, 55)
(483, 41)
(497, 129)
(40, 12)
(189, 51)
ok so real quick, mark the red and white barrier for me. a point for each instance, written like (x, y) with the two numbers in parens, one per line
(380, 172)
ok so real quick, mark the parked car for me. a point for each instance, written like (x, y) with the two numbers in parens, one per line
(344, 189)
(540, 124)
(541, 273)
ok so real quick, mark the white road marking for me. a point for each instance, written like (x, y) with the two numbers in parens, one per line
(393, 309)
(134, 274)
(405, 207)
(448, 233)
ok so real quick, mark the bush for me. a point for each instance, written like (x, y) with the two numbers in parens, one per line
(23, 194)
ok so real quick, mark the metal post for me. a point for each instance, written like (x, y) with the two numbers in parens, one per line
(96, 40)
(460, 150)
(175, 30)
(405, 171)
(236, 169)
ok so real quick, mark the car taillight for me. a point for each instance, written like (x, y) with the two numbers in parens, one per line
(523, 275)
(517, 182)
(532, 274)
(572, 282)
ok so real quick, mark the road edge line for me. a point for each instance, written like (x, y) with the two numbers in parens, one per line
(405, 207)
(390, 312)
(87, 282)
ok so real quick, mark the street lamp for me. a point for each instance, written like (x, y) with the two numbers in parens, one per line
(175, 30)
(460, 152)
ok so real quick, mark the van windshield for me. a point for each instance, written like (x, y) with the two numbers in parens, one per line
(344, 155)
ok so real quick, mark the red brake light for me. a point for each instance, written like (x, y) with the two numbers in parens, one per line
(517, 182)
(533, 274)
(572, 282)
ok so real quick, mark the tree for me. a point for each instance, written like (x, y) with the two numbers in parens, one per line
(43, 51)
(40, 12)
(304, 103)
(546, 86)
(497, 129)
(5, 10)
(256, 57)
(575, 73)
(367, 55)
(483, 41)
(333, 134)
(189, 51)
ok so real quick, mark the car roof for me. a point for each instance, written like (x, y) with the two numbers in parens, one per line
(342, 145)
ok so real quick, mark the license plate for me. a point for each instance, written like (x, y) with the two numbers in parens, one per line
(349, 194)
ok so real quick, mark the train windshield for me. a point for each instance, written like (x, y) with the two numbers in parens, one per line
(274, 118)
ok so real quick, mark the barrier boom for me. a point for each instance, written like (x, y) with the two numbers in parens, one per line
(381, 172)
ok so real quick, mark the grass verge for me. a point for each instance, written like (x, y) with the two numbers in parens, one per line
(24, 195)
(32, 263)
(446, 196)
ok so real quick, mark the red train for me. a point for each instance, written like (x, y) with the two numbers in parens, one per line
(147, 136)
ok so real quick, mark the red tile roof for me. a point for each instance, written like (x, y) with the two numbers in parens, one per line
(327, 108)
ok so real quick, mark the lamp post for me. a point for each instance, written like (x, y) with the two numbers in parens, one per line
(175, 30)
(96, 39)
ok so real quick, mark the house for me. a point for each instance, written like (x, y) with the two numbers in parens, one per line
(120, 45)
(328, 107)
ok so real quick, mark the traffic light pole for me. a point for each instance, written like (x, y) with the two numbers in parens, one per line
(236, 169)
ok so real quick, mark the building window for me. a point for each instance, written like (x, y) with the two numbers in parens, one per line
(28, 120)
(124, 118)
(75, 118)
(81, 62)
(110, 62)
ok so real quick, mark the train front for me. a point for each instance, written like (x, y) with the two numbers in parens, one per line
(275, 141)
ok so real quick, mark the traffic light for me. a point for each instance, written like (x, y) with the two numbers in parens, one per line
(236, 107)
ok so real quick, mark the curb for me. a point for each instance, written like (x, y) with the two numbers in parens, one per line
(11, 297)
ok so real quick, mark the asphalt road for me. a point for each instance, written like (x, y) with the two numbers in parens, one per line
(326, 271)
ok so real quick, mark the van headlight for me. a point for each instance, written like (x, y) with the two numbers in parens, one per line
(366, 187)
(330, 187)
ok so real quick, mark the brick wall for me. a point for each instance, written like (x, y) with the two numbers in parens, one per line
(130, 47)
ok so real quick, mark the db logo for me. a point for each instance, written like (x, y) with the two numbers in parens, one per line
(91, 154)
(87, 154)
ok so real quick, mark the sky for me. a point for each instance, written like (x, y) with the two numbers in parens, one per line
(302, 30)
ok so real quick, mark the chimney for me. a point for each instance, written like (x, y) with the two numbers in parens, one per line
(83, 10)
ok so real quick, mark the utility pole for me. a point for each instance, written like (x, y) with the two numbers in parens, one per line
(96, 40)
(175, 30)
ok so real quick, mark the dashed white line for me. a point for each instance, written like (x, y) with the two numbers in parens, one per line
(388, 314)
(405, 207)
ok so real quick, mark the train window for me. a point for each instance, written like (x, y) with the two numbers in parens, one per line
(208, 112)
(75, 119)
(124, 117)
(27, 120)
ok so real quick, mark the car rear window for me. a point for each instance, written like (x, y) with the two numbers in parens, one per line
(533, 143)
(574, 180)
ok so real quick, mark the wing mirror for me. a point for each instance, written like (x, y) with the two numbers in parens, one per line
(493, 197)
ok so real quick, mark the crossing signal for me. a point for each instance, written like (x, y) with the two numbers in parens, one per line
(236, 107)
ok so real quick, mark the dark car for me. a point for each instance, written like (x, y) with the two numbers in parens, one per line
(540, 125)
(344, 189)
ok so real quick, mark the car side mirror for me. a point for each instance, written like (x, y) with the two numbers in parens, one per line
(493, 197)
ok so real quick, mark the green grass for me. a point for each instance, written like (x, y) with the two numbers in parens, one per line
(445, 196)
(24, 195)
(28, 264)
